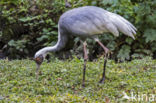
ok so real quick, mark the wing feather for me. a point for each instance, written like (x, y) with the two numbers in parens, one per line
(119, 23)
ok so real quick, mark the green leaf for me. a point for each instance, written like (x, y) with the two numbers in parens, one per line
(150, 35)
(129, 40)
(124, 53)
(43, 37)
(11, 43)
(25, 19)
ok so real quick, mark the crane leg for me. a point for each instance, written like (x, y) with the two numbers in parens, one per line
(106, 55)
(85, 61)
(104, 69)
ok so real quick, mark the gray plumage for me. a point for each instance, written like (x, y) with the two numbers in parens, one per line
(88, 22)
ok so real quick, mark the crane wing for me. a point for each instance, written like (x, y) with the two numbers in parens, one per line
(90, 20)
(117, 23)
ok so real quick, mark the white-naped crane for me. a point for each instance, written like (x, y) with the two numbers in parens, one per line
(87, 22)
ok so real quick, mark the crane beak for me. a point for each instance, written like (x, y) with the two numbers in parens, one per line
(37, 70)
(38, 61)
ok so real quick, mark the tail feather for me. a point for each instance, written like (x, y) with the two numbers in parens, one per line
(122, 25)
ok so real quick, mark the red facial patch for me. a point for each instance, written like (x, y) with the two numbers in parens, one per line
(38, 60)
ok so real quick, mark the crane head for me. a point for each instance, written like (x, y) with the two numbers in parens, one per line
(38, 60)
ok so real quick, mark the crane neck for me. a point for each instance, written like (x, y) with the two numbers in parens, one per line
(62, 39)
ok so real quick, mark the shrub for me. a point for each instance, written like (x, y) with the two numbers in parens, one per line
(29, 25)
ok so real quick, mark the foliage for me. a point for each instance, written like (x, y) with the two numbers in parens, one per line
(60, 81)
(28, 25)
